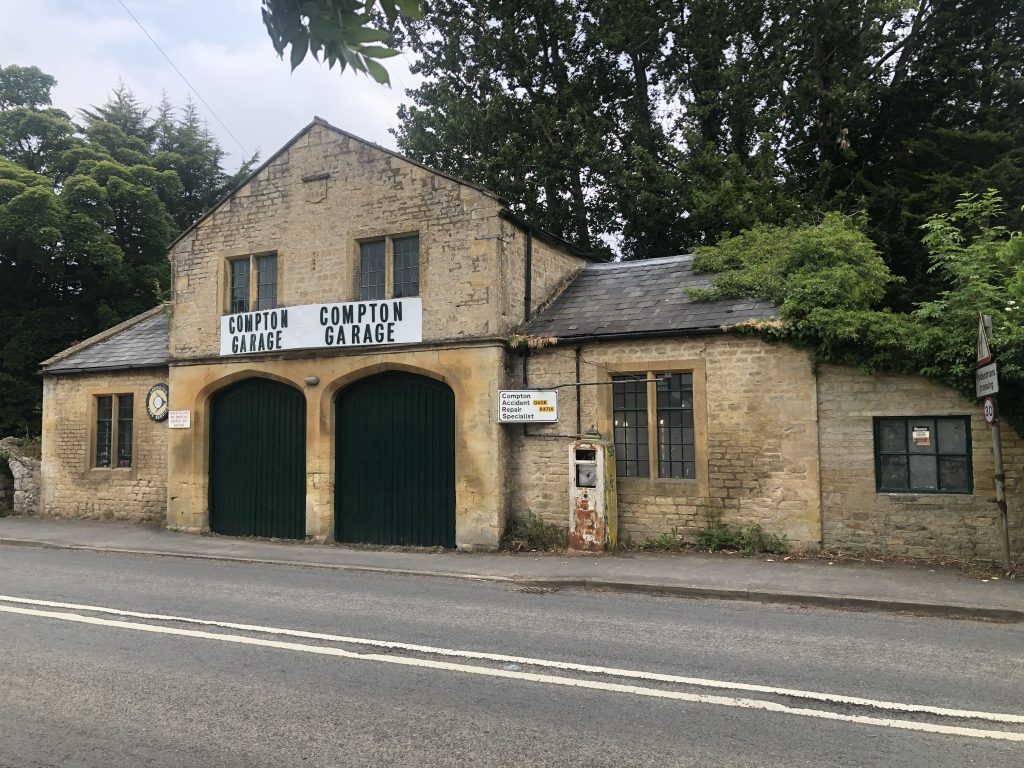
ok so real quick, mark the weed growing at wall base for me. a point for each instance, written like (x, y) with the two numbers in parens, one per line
(535, 534)
(752, 540)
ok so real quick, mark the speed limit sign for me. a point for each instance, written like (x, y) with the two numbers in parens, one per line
(990, 411)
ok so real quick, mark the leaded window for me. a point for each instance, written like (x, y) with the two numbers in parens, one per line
(923, 454)
(629, 411)
(104, 429)
(653, 422)
(240, 285)
(114, 441)
(407, 266)
(125, 406)
(266, 282)
(676, 453)
(372, 270)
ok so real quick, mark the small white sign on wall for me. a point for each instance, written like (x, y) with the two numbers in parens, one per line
(179, 419)
(528, 405)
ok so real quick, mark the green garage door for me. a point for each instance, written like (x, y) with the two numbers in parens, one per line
(258, 460)
(395, 462)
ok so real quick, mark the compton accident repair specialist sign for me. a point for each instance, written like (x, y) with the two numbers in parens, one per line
(314, 326)
(529, 405)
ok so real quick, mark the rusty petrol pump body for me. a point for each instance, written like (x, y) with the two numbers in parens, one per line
(593, 516)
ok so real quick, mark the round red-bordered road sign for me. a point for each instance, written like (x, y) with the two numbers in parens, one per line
(990, 411)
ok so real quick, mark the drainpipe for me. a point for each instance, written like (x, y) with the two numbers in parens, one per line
(579, 405)
(528, 277)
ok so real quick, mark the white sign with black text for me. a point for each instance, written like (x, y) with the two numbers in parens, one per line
(179, 419)
(986, 380)
(527, 405)
(315, 326)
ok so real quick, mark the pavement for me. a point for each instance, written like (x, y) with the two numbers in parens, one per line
(919, 589)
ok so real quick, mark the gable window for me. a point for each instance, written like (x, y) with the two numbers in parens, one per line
(114, 446)
(372, 270)
(923, 454)
(667, 416)
(240, 285)
(252, 283)
(389, 267)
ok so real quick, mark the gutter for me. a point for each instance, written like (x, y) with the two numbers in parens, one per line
(104, 369)
(631, 335)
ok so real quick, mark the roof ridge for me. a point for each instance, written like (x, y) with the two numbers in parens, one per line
(102, 336)
(632, 263)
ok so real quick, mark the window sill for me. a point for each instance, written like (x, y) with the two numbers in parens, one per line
(895, 492)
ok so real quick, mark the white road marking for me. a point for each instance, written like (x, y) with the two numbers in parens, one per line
(726, 701)
(997, 717)
(543, 663)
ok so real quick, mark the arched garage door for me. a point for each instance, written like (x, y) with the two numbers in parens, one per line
(258, 460)
(395, 462)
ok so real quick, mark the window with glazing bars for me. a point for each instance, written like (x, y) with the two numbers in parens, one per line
(923, 454)
(125, 405)
(664, 407)
(407, 266)
(372, 270)
(266, 282)
(240, 285)
(676, 454)
(629, 411)
(104, 429)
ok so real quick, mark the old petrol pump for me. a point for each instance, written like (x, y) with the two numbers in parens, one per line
(593, 516)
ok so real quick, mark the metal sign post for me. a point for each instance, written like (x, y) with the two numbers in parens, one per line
(987, 384)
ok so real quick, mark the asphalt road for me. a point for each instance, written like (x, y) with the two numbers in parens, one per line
(80, 686)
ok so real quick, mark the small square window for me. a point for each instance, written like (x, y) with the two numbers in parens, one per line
(923, 454)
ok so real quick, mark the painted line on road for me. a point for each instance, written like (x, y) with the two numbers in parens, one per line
(727, 701)
(894, 706)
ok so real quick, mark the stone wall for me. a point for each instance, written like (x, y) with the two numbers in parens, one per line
(859, 519)
(6, 488)
(71, 485)
(314, 202)
(756, 437)
(20, 478)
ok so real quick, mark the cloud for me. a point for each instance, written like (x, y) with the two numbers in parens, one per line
(223, 50)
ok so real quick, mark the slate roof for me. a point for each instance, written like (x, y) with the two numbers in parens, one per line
(138, 343)
(637, 298)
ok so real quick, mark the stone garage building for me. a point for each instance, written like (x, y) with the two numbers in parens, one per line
(339, 329)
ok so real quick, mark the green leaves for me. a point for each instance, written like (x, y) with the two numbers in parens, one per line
(340, 32)
(85, 221)
(829, 280)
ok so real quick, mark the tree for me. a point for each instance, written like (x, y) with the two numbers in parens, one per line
(343, 32)
(86, 216)
(829, 282)
(687, 122)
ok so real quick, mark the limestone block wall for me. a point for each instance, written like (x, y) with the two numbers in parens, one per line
(552, 270)
(756, 433)
(312, 205)
(859, 519)
(71, 485)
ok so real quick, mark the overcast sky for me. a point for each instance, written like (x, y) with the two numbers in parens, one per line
(220, 46)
